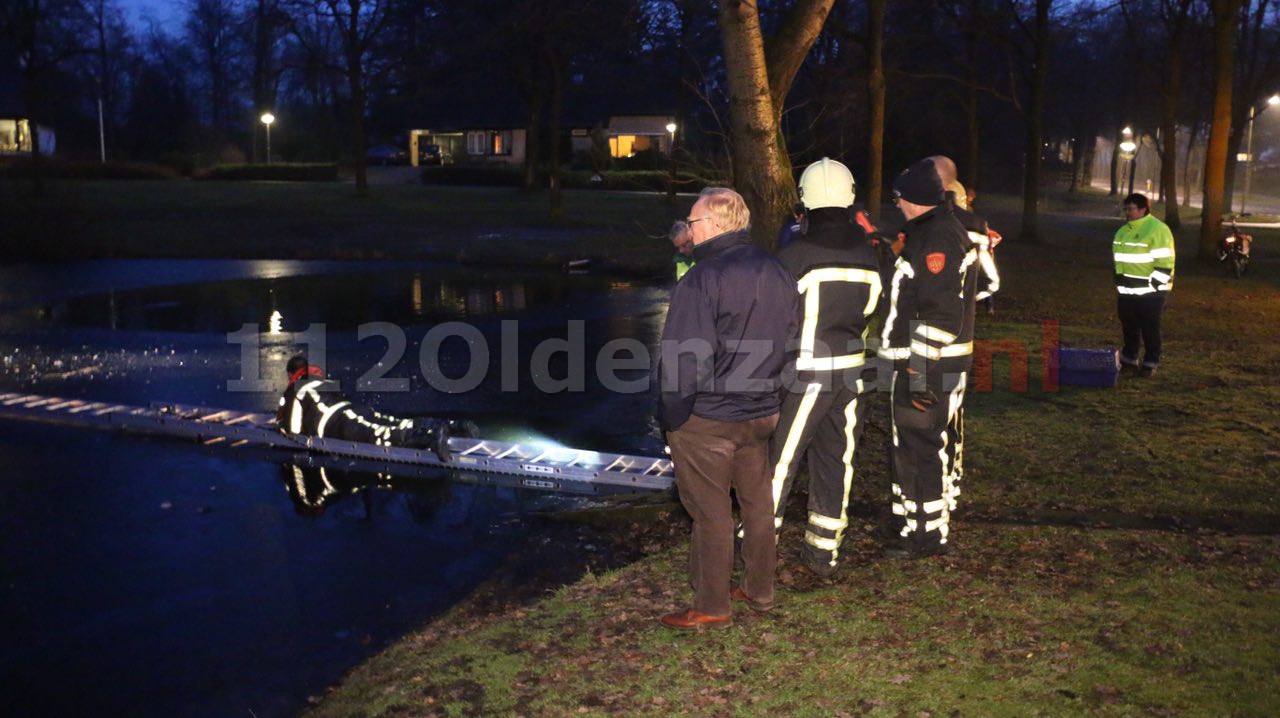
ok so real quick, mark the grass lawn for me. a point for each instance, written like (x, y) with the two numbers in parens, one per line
(1117, 551)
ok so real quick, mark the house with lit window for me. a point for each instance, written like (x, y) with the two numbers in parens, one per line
(15, 126)
(492, 129)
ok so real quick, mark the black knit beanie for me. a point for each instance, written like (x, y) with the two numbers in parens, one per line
(920, 184)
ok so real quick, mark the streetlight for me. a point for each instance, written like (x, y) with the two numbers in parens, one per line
(671, 157)
(268, 118)
(1248, 151)
(1129, 151)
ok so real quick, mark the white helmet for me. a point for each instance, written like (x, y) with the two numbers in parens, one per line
(827, 183)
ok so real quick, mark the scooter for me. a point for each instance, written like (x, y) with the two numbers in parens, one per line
(1233, 250)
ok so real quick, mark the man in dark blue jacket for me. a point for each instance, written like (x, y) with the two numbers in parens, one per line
(723, 348)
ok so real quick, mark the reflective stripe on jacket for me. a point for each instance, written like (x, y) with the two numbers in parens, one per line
(1144, 256)
(932, 291)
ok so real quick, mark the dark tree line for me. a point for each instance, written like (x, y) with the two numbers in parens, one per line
(1017, 91)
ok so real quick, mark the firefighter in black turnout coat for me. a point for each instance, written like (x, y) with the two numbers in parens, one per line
(928, 333)
(987, 284)
(837, 275)
(313, 405)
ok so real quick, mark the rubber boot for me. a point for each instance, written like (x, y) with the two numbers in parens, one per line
(432, 434)
(464, 428)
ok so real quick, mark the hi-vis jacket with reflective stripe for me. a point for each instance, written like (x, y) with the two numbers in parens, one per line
(1144, 256)
(931, 294)
(308, 404)
(837, 275)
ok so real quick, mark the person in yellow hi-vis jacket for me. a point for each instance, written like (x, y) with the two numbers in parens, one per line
(1144, 255)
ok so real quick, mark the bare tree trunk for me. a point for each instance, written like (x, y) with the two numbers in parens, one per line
(1234, 142)
(1035, 126)
(265, 20)
(758, 169)
(973, 158)
(875, 111)
(553, 132)
(355, 76)
(1169, 159)
(1089, 157)
(532, 149)
(1176, 26)
(1186, 165)
(758, 88)
(1077, 163)
(37, 162)
(1215, 162)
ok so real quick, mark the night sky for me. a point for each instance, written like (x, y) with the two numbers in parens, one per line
(167, 13)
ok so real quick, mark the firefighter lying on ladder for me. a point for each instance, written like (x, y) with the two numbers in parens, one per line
(313, 405)
(837, 274)
(928, 333)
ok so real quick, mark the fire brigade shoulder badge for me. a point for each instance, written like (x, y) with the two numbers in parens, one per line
(935, 262)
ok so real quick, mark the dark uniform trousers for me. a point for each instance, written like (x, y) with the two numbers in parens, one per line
(928, 452)
(711, 458)
(821, 420)
(1140, 321)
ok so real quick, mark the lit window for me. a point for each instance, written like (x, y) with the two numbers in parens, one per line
(502, 142)
(14, 136)
(622, 145)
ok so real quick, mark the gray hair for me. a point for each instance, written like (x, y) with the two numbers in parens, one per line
(727, 207)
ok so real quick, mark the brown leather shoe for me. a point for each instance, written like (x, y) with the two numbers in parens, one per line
(692, 620)
(737, 594)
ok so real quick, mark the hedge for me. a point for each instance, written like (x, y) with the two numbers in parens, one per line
(24, 168)
(482, 175)
(278, 172)
(501, 176)
(642, 181)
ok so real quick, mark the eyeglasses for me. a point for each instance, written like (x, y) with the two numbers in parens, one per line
(691, 221)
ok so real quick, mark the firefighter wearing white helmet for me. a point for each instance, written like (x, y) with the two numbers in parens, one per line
(822, 412)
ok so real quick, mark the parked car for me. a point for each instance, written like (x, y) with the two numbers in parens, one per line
(386, 155)
(430, 155)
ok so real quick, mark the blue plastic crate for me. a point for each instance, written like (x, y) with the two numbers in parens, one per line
(1088, 367)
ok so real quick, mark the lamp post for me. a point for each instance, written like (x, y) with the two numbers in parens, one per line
(1129, 151)
(268, 118)
(1248, 151)
(671, 157)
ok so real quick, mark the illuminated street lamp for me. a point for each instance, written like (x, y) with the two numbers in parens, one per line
(1248, 152)
(268, 118)
(1129, 152)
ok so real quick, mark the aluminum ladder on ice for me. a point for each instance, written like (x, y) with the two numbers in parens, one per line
(542, 467)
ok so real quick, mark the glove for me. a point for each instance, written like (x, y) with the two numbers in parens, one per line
(923, 400)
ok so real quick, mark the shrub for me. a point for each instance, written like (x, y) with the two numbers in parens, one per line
(278, 172)
(482, 175)
(24, 168)
(505, 176)
(650, 159)
(180, 162)
(643, 181)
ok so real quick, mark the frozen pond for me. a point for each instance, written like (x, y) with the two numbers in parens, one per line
(145, 576)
